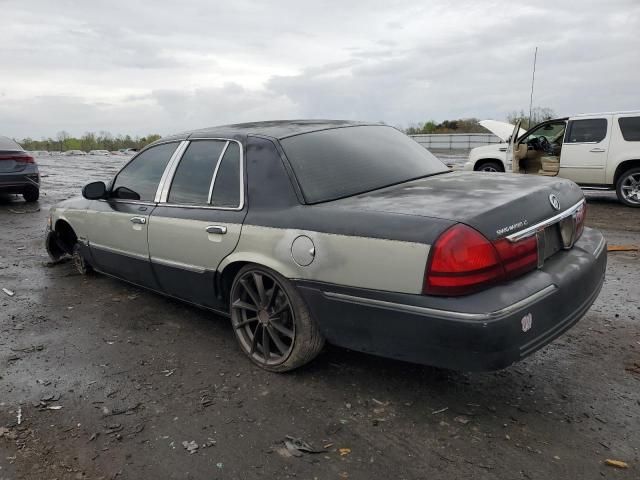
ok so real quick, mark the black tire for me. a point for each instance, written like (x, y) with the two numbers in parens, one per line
(490, 166)
(282, 320)
(628, 187)
(79, 262)
(31, 194)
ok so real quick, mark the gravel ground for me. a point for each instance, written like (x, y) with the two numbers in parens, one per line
(99, 379)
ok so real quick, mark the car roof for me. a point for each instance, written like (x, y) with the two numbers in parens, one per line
(275, 128)
(7, 144)
(619, 112)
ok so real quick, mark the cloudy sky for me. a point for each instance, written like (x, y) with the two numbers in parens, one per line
(159, 66)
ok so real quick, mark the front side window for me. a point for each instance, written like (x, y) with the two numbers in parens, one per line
(192, 179)
(142, 175)
(590, 130)
(552, 132)
(341, 162)
(226, 190)
(630, 128)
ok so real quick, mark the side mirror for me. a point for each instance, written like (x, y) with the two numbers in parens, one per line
(94, 191)
(125, 194)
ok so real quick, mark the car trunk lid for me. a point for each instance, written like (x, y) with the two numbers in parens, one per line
(497, 205)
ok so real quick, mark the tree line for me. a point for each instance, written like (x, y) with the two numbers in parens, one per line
(472, 125)
(89, 141)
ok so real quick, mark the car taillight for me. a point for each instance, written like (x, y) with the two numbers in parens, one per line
(518, 257)
(18, 158)
(463, 261)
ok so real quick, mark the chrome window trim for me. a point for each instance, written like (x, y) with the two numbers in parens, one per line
(529, 231)
(215, 172)
(447, 314)
(169, 171)
(163, 200)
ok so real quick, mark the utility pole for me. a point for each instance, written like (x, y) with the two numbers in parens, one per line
(533, 79)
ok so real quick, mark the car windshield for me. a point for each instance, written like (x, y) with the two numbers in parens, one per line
(342, 162)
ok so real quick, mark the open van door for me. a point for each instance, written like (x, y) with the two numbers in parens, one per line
(511, 163)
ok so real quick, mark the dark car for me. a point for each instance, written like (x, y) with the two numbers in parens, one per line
(306, 231)
(18, 171)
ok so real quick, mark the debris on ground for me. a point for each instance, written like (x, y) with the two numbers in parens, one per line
(191, 447)
(209, 443)
(623, 248)
(634, 368)
(435, 412)
(8, 292)
(36, 210)
(120, 411)
(19, 415)
(297, 447)
(461, 419)
(344, 451)
(31, 349)
(616, 463)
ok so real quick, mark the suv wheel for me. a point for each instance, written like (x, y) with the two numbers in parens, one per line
(490, 167)
(31, 194)
(628, 187)
(271, 320)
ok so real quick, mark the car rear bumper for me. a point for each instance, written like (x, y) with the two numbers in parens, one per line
(17, 182)
(488, 330)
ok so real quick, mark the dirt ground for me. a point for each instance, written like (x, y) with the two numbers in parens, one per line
(99, 379)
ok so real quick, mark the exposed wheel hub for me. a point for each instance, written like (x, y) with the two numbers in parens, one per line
(263, 317)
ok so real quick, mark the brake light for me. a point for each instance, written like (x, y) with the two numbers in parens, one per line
(518, 257)
(18, 158)
(463, 261)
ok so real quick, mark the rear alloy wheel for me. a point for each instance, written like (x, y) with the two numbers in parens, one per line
(490, 167)
(628, 187)
(81, 265)
(31, 194)
(271, 320)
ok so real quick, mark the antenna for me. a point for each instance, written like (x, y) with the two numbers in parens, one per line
(533, 79)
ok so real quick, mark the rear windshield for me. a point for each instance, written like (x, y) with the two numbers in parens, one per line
(341, 162)
(8, 144)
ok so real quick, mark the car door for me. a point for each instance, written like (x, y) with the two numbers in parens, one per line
(585, 149)
(117, 226)
(198, 220)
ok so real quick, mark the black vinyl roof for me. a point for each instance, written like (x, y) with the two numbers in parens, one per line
(275, 128)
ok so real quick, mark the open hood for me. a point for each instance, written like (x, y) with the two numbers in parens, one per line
(501, 130)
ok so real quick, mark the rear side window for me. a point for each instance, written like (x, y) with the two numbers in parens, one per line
(192, 180)
(226, 190)
(630, 128)
(591, 130)
(143, 173)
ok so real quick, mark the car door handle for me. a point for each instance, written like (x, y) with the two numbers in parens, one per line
(221, 229)
(138, 220)
(597, 150)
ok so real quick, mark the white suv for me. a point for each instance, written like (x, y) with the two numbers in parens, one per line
(594, 150)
